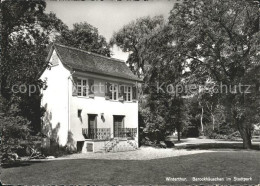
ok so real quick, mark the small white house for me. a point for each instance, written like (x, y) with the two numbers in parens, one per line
(90, 101)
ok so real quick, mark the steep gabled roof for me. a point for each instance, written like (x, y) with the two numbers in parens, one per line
(80, 60)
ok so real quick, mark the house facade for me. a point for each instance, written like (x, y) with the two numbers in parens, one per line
(90, 101)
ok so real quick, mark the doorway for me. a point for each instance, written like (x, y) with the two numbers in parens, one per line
(118, 126)
(92, 126)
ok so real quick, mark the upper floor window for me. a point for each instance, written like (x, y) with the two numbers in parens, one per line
(120, 92)
(128, 93)
(82, 87)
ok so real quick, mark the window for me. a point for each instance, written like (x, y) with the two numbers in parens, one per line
(119, 92)
(114, 90)
(128, 93)
(82, 87)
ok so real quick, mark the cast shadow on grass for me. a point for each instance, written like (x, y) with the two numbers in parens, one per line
(20, 163)
(209, 146)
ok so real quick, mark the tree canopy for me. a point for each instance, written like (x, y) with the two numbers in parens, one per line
(131, 38)
(85, 37)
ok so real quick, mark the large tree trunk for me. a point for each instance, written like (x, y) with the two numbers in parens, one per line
(245, 132)
(246, 136)
(247, 144)
(243, 126)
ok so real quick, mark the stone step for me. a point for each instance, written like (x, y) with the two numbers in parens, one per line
(120, 146)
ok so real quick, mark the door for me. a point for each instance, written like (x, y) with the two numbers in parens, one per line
(92, 126)
(118, 126)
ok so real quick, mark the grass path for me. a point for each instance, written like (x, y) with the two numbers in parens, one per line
(89, 171)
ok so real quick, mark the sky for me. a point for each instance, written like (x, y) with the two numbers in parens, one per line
(108, 16)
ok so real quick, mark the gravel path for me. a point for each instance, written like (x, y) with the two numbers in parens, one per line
(144, 153)
(148, 153)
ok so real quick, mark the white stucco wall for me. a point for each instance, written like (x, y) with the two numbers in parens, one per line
(98, 105)
(55, 98)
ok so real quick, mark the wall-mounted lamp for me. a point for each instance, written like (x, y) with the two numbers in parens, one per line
(79, 115)
(102, 117)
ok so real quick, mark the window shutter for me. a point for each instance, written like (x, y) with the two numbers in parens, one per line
(134, 92)
(90, 86)
(74, 86)
(125, 90)
(121, 92)
(108, 93)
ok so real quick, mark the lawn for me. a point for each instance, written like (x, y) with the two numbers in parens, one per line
(82, 171)
(209, 146)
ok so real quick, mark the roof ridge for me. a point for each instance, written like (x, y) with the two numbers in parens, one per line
(91, 53)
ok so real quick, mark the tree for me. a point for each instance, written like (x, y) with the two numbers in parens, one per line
(194, 113)
(208, 100)
(220, 39)
(26, 34)
(132, 37)
(165, 79)
(151, 56)
(85, 37)
(13, 15)
(136, 38)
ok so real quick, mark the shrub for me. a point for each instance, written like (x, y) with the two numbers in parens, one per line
(234, 136)
(13, 130)
(9, 158)
(57, 150)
